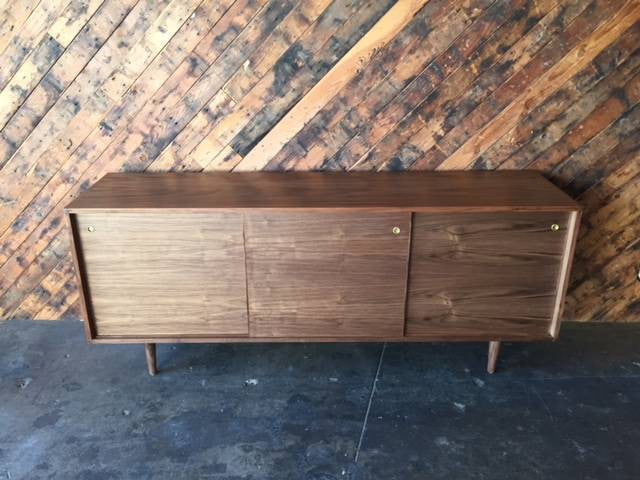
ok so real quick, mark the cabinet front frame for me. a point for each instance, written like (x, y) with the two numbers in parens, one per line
(87, 309)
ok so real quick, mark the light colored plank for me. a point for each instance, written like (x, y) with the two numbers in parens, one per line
(14, 14)
(139, 56)
(27, 77)
(60, 301)
(38, 298)
(28, 36)
(67, 25)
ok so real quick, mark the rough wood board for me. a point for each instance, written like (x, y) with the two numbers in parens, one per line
(205, 83)
(336, 78)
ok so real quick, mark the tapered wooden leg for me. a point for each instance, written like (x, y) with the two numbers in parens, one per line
(150, 351)
(494, 350)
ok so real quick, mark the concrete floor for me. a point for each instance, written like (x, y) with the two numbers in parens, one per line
(69, 410)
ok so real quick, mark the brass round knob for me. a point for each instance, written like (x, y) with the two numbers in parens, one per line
(555, 227)
(396, 230)
(91, 228)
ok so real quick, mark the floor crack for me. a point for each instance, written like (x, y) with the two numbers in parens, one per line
(373, 391)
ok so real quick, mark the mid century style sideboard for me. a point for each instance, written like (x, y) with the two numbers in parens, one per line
(323, 257)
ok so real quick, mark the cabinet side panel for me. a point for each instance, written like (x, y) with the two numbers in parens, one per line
(165, 274)
(565, 272)
(485, 275)
(78, 263)
(327, 274)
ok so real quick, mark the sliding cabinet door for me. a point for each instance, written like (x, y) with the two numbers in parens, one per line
(485, 275)
(157, 274)
(327, 274)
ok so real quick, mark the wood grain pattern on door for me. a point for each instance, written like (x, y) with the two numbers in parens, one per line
(484, 275)
(327, 274)
(169, 274)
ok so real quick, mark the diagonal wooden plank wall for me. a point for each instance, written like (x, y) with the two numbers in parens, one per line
(92, 86)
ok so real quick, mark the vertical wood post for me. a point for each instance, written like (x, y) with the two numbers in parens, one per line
(494, 350)
(150, 352)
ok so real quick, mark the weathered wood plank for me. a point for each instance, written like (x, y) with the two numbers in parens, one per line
(91, 103)
(503, 83)
(334, 124)
(67, 122)
(379, 35)
(140, 55)
(47, 205)
(620, 167)
(160, 105)
(32, 274)
(74, 17)
(459, 42)
(167, 125)
(13, 16)
(526, 30)
(607, 281)
(90, 86)
(563, 158)
(27, 76)
(294, 74)
(44, 56)
(601, 145)
(28, 36)
(60, 302)
(68, 183)
(544, 125)
(198, 140)
(617, 223)
(78, 53)
(384, 80)
(296, 23)
(35, 301)
(546, 85)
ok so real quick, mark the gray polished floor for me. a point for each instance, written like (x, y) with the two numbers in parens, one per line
(69, 410)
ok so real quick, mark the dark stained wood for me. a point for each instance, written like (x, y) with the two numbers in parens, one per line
(327, 274)
(164, 274)
(321, 271)
(485, 274)
(116, 339)
(416, 191)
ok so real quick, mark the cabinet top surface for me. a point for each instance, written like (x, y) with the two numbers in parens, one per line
(415, 191)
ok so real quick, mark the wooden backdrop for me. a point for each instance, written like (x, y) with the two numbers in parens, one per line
(91, 86)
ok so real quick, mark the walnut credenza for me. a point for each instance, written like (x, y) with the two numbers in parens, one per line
(323, 257)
